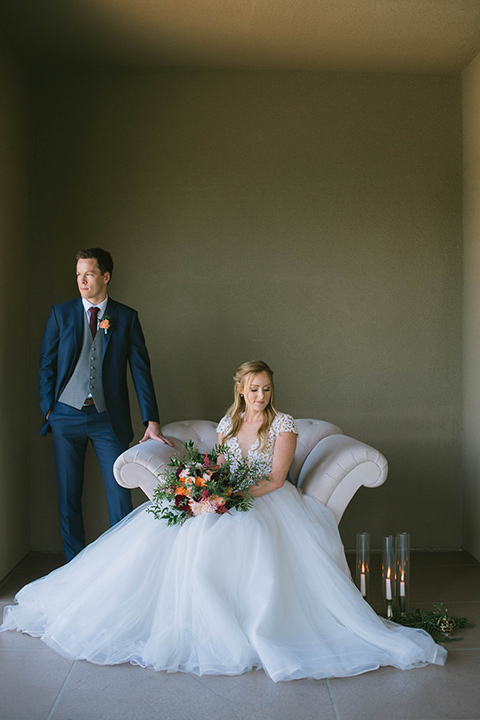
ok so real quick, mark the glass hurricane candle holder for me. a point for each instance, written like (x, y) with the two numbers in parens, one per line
(363, 563)
(402, 570)
(388, 574)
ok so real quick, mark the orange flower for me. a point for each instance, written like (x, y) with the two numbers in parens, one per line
(200, 482)
(180, 491)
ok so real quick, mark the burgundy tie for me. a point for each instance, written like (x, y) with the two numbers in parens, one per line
(93, 319)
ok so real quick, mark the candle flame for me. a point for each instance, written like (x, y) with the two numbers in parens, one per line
(402, 579)
(388, 574)
(363, 569)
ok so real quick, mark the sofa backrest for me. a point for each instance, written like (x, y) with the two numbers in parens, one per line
(203, 433)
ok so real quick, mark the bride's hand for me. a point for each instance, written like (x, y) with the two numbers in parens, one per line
(153, 432)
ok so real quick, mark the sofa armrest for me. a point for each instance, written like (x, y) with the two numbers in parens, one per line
(140, 465)
(337, 467)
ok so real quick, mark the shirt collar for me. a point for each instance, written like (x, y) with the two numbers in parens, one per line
(101, 306)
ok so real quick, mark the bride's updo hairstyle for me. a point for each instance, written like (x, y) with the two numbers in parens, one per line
(243, 378)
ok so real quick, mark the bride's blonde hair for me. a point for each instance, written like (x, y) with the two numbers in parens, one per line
(243, 378)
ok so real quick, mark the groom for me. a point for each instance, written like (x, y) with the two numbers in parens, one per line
(85, 349)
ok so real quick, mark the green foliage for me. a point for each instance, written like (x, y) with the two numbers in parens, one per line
(436, 621)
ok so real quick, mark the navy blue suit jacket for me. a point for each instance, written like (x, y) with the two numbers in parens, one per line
(123, 343)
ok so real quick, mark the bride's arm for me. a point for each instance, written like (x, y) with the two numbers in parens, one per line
(283, 453)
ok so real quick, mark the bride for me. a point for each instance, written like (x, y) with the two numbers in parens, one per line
(223, 594)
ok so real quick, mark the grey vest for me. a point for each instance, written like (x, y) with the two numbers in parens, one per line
(87, 377)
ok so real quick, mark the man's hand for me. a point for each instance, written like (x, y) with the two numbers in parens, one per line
(153, 432)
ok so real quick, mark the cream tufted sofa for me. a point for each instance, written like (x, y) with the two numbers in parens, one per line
(327, 464)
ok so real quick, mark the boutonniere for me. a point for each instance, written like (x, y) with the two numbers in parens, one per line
(106, 323)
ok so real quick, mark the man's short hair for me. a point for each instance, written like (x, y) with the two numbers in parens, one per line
(103, 258)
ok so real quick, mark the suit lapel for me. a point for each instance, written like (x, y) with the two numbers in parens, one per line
(111, 310)
(76, 343)
(78, 311)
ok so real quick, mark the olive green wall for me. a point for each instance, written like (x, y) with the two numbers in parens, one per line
(309, 219)
(14, 314)
(471, 144)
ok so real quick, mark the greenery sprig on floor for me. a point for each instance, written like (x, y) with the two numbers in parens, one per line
(436, 621)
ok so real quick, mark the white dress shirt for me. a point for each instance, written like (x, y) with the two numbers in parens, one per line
(101, 308)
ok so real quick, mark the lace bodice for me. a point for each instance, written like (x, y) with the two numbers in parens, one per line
(264, 456)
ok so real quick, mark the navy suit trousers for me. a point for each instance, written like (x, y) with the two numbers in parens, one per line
(72, 429)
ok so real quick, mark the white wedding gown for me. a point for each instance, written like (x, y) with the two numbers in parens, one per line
(221, 594)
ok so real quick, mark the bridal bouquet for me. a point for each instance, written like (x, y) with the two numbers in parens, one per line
(197, 483)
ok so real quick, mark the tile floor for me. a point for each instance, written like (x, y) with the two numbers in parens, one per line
(37, 684)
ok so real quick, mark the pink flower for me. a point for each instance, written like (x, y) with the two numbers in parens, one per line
(202, 507)
(208, 504)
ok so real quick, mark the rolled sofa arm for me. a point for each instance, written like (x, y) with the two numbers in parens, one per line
(140, 465)
(337, 467)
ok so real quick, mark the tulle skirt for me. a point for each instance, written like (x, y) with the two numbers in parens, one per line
(222, 594)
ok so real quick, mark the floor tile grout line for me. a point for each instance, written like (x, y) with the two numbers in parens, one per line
(332, 700)
(60, 692)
